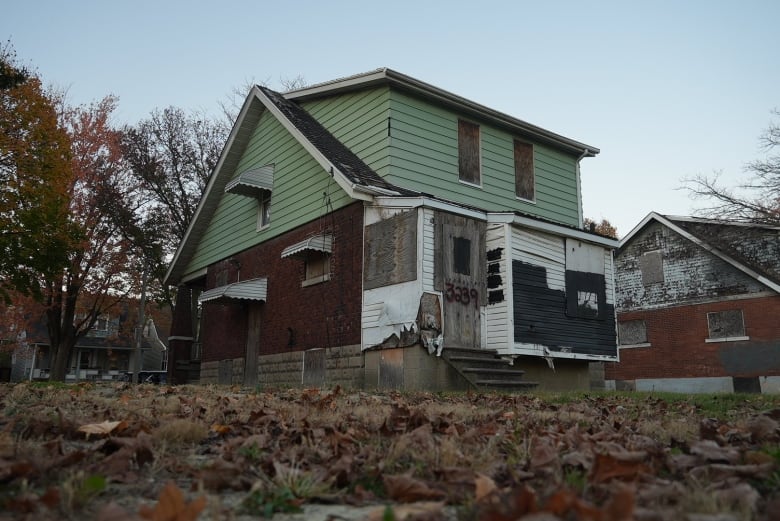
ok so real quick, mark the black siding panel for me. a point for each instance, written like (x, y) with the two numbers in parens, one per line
(540, 316)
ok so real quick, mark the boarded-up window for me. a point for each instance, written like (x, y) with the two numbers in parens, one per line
(461, 255)
(468, 152)
(632, 332)
(317, 268)
(524, 170)
(651, 264)
(726, 324)
(391, 251)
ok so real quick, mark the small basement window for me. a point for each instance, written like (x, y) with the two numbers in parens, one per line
(726, 326)
(468, 153)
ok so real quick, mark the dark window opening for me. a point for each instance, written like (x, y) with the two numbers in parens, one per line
(468, 152)
(461, 255)
(586, 295)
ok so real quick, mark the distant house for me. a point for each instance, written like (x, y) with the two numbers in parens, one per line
(105, 353)
(698, 305)
(354, 230)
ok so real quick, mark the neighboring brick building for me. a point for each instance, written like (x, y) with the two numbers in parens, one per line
(353, 228)
(698, 305)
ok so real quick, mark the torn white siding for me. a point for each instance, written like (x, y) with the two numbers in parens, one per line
(498, 321)
(388, 310)
(544, 250)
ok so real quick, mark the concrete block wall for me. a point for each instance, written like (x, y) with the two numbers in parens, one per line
(344, 366)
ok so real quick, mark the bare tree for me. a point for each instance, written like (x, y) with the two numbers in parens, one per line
(232, 103)
(756, 200)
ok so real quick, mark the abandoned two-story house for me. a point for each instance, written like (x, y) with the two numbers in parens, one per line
(377, 231)
(698, 304)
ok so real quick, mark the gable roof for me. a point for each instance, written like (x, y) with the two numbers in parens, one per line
(356, 178)
(753, 249)
(395, 79)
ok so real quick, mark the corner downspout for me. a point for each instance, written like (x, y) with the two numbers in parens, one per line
(580, 219)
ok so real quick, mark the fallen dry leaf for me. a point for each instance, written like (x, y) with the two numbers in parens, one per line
(407, 489)
(172, 507)
(103, 428)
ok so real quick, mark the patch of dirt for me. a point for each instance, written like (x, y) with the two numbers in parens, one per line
(123, 452)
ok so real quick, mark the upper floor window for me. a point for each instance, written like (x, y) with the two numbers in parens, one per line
(726, 326)
(468, 152)
(263, 209)
(525, 179)
(101, 324)
(651, 264)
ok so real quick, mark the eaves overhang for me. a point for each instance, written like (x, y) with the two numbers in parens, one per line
(385, 76)
(747, 270)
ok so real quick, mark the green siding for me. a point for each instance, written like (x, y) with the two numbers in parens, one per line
(359, 120)
(424, 157)
(297, 197)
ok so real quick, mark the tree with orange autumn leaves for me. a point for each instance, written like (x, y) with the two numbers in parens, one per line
(69, 233)
(103, 267)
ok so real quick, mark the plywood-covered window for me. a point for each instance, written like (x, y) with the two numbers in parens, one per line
(651, 264)
(468, 152)
(317, 268)
(632, 333)
(525, 180)
(726, 325)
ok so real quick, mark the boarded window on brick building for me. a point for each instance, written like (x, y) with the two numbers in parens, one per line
(468, 152)
(632, 332)
(724, 325)
(651, 264)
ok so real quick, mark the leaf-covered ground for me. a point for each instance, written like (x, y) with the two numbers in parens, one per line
(121, 452)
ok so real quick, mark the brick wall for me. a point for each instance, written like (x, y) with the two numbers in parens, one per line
(690, 273)
(293, 318)
(678, 349)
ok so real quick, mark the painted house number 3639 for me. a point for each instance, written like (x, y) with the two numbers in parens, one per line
(461, 294)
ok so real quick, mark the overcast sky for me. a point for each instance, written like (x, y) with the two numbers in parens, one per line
(666, 90)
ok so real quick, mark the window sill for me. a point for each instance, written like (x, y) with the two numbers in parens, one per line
(315, 280)
(467, 183)
(726, 339)
(634, 346)
(263, 228)
(524, 200)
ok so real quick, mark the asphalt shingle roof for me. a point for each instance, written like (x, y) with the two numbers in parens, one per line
(342, 157)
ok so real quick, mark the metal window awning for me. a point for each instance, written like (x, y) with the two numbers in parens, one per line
(252, 182)
(321, 243)
(254, 289)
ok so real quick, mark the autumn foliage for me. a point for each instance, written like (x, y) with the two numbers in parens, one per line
(185, 453)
